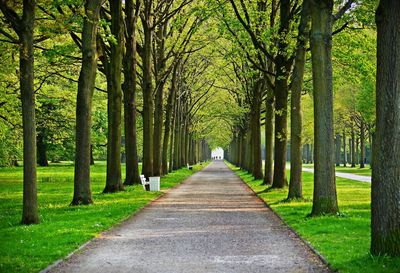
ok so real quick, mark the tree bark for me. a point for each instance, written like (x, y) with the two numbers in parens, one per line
(344, 149)
(324, 197)
(86, 83)
(129, 88)
(113, 178)
(281, 92)
(338, 144)
(353, 147)
(296, 115)
(362, 145)
(177, 126)
(385, 207)
(30, 208)
(147, 89)
(41, 151)
(159, 100)
(91, 155)
(168, 116)
(256, 131)
(269, 139)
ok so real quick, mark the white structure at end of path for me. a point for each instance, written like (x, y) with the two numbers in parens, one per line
(217, 153)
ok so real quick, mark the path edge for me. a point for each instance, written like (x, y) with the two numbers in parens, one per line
(81, 247)
(316, 252)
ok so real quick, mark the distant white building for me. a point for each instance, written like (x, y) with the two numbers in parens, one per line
(217, 153)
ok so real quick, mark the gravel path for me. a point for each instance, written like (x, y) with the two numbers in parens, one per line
(211, 223)
(351, 176)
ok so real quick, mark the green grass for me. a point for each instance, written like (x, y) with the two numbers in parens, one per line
(63, 228)
(356, 170)
(343, 240)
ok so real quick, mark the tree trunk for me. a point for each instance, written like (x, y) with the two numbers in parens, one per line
(296, 115)
(362, 145)
(353, 147)
(385, 220)
(324, 197)
(41, 151)
(177, 126)
(86, 83)
(113, 179)
(168, 116)
(159, 100)
(91, 155)
(281, 92)
(129, 88)
(147, 89)
(338, 144)
(279, 178)
(344, 150)
(26, 65)
(269, 140)
(256, 131)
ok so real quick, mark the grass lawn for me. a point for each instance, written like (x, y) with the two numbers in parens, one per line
(63, 228)
(343, 240)
(356, 170)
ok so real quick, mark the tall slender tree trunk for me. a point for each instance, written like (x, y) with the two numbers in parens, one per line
(30, 208)
(113, 178)
(344, 149)
(41, 151)
(353, 147)
(385, 220)
(91, 155)
(147, 88)
(168, 116)
(338, 144)
(281, 92)
(362, 145)
(324, 197)
(86, 83)
(269, 139)
(159, 100)
(256, 131)
(296, 115)
(177, 135)
(129, 88)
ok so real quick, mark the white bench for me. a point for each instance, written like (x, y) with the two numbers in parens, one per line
(144, 182)
(189, 166)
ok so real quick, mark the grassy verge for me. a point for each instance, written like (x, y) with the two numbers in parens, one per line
(343, 240)
(364, 171)
(63, 228)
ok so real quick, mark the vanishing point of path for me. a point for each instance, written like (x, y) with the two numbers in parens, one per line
(211, 223)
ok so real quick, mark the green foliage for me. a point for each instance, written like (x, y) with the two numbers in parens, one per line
(63, 228)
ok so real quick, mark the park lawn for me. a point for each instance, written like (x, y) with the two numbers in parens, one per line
(63, 228)
(356, 170)
(344, 240)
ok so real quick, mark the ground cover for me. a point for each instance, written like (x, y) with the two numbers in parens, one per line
(63, 228)
(344, 239)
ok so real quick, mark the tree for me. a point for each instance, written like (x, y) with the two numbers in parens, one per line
(295, 185)
(113, 180)
(87, 77)
(385, 206)
(129, 88)
(24, 27)
(324, 197)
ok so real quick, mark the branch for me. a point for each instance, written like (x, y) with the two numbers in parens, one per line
(342, 10)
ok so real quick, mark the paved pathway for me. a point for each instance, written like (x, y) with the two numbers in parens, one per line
(210, 223)
(351, 176)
